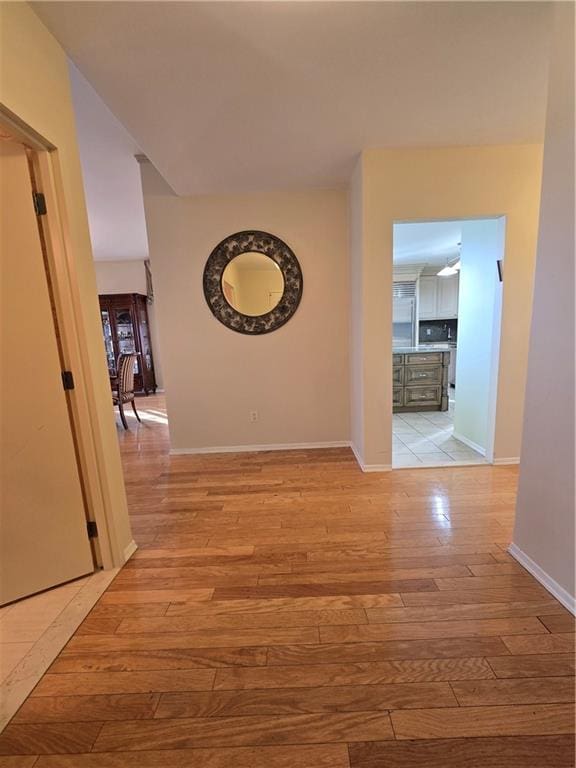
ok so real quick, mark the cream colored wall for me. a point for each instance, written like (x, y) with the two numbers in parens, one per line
(120, 276)
(451, 183)
(296, 377)
(35, 87)
(129, 276)
(544, 531)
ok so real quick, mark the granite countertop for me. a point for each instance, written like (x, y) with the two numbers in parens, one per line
(424, 348)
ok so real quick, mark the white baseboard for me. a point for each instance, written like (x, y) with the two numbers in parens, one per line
(550, 584)
(357, 456)
(503, 462)
(376, 467)
(258, 448)
(469, 443)
(369, 467)
(129, 550)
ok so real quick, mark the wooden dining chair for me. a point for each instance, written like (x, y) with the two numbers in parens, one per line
(125, 385)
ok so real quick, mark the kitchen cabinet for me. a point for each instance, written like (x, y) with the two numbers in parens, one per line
(438, 297)
(427, 300)
(420, 381)
(447, 297)
(452, 368)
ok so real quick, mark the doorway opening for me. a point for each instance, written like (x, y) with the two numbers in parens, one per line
(447, 300)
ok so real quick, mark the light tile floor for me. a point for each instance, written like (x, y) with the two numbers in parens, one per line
(23, 623)
(426, 439)
(34, 631)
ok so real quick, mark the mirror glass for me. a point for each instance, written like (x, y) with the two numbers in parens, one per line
(252, 283)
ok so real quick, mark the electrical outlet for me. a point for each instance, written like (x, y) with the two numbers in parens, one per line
(253, 415)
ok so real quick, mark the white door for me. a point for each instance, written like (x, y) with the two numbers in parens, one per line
(43, 536)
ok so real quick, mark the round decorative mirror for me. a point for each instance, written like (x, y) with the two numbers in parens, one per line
(252, 282)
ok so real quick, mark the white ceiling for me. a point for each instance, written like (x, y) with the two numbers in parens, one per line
(253, 96)
(112, 183)
(428, 243)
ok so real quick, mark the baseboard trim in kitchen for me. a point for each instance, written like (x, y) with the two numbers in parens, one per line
(503, 462)
(550, 584)
(469, 443)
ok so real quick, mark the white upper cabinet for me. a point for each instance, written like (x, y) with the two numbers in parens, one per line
(438, 298)
(428, 298)
(447, 297)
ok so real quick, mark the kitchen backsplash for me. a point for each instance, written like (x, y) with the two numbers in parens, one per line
(437, 330)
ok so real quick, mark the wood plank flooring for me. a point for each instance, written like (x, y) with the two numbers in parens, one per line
(285, 610)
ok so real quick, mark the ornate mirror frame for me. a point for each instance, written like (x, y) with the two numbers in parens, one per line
(252, 241)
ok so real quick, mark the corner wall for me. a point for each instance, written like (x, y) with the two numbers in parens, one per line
(296, 377)
(544, 530)
(480, 303)
(434, 184)
(356, 200)
(35, 86)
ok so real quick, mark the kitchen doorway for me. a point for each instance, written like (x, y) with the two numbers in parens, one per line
(447, 297)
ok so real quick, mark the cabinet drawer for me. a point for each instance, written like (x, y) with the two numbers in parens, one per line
(397, 398)
(398, 375)
(422, 374)
(427, 358)
(428, 395)
(397, 359)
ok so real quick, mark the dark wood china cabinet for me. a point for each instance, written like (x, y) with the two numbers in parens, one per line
(126, 329)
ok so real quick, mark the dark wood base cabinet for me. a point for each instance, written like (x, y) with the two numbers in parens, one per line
(126, 329)
(420, 381)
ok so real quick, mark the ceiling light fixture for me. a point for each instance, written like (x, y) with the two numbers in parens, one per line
(447, 271)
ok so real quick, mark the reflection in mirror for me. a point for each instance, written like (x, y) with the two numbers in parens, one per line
(252, 283)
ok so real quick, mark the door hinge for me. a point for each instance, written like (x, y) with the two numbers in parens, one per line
(92, 529)
(67, 380)
(39, 203)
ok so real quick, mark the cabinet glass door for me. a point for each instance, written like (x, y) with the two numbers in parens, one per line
(125, 333)
(108, 341)
(145, 339)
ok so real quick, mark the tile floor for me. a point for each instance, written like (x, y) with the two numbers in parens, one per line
(426, 439)
(23, 623)
(34, 630)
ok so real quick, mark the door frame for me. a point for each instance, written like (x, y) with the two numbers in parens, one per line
(496, 322)
(63, 285)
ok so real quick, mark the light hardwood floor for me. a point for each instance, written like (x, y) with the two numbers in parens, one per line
(285, 610)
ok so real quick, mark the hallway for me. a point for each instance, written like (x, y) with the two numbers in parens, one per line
(285, 610)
